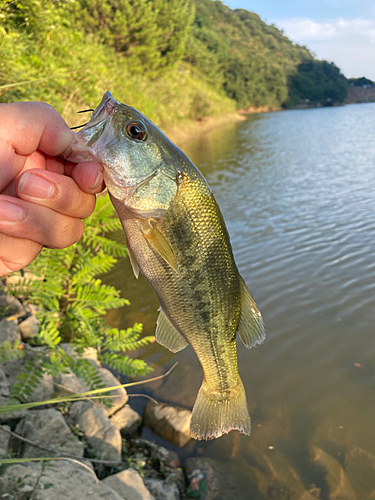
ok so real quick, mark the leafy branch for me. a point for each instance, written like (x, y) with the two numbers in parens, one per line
(72, 300)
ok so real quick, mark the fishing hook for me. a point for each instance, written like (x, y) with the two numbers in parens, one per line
(80, 126)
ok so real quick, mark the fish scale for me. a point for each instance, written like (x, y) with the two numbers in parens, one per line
(177, 238)
(213, 268)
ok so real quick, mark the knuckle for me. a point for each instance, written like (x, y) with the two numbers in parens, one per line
(74, 202)
(71, 231)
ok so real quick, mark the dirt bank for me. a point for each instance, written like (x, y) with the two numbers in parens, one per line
(192, 129)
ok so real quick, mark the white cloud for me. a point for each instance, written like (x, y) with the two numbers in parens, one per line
(348, 43)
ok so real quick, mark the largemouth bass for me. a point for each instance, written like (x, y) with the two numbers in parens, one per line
(177, 237)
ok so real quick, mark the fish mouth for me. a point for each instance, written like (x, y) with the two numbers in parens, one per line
(105, 108)
(102, 114)
(99, 131)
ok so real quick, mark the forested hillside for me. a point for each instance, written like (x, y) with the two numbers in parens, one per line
(173, 59)
(250, 60)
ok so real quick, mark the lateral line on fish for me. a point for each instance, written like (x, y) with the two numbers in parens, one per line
(211, 339)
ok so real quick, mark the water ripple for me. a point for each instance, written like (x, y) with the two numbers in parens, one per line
(297, 192)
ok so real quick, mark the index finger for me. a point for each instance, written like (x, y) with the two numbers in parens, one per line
(29, 126)
(26, 127)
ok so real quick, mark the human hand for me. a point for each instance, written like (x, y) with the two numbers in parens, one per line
(42, 197)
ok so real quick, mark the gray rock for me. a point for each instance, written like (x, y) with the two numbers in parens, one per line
(100, 433)
(129, 484)
(119, 396)
(70, 383)
(9, 330)
(127, 421)
(60, 480)
(73, 384)
(10, 306)
(161, 463)
(4, 384)
(29, 328)
(33, 309)
(168, 422)
(162, 491)
(11, 417)
(155, 452)
(4, 439)
(44, 391)
(88, 352)
(48, 428)
(68, 348)
(45, 388)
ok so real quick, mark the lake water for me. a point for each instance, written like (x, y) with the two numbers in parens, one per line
(296, 189)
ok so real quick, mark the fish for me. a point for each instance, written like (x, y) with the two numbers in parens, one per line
(177, 238)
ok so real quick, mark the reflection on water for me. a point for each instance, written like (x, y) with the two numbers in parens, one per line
(296, 190)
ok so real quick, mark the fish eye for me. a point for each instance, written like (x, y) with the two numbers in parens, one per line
(136, 130)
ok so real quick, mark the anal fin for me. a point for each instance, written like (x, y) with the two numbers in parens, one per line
(251, 327)
(167, 335)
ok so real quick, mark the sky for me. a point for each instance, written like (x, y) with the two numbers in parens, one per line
(342, 31)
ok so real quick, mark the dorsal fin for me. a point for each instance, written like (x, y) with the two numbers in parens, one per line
(167, 335)
(251, 327)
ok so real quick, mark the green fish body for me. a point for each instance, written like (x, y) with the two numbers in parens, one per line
(177, 237)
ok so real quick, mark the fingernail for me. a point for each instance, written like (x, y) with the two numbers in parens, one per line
(98, 181)
(35, 186)
(10, 212)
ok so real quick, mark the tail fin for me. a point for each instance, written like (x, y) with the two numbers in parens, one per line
(216, 414)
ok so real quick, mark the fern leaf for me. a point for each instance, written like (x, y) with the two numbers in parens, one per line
(126, 365)
(109, 246)
(49, 332)
(84, 271)
(125, 340)
(98, 296)
(9, 352)
(27, 381)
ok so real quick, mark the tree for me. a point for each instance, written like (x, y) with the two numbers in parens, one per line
(152, 35)
(317, 82)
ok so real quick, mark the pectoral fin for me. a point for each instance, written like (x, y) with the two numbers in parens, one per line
(167, 335)
(251, 327)
(160, 245)
(133, 262)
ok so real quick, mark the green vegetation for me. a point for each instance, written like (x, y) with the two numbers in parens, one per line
(249, 59)
(173, 59)
(317, 82)
(72, 301)
(70, 62)
(361, 82)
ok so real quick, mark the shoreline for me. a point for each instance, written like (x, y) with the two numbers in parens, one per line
(189, 130)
